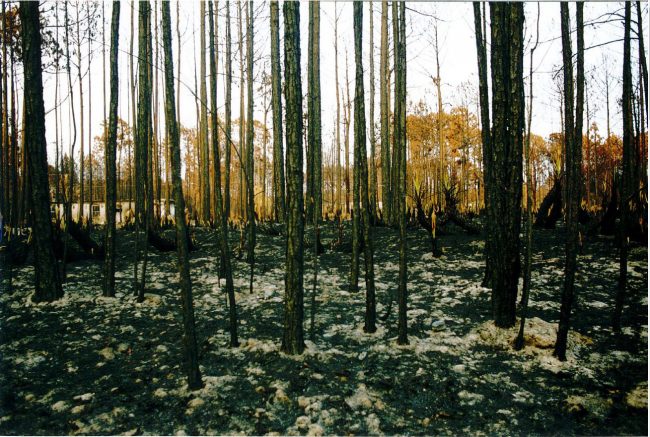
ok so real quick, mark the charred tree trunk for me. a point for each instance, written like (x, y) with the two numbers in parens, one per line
(400, 143)
(627, 182)
(250, 134)
(292, 338)
(362, 205)
(221, 216)
(191, 359)
(573, 147)
(506, 157)
(142, 146)
(228, 121)
(279, 209)
(109, 160)
(485, 133)
(47, 285)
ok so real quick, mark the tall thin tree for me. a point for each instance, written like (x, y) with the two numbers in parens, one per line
(383, 108)
(221, 216)
(362, 206)
(109, 159)
(627, 182)
(250, 149)
(279, 209)
(400, 143)
(573, 159)
(292, 337)
(228, 116)
(191, 359)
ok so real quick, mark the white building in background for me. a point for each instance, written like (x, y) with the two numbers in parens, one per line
(124, 212)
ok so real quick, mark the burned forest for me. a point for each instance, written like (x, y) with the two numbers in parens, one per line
(337, 218)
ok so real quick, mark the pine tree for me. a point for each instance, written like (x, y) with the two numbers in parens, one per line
(143, 128)
(221, 217)
(573, 157)
(228, 117)
(250, 134)
(279, 209)
(292, 338)
(47, 285)
(506, 157)
(400, 144)
(109, 159)
(383, 108)
(191, 359)
(362, 207)
(627, 182)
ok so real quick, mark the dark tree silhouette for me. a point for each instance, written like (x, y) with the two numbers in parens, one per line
(47, 286)
(292, 337)
(191, 359)
(109, 159)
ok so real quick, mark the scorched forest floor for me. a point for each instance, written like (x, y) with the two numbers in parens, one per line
(93, 365)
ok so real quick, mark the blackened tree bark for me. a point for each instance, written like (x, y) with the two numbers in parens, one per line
(279, 209)
(506, 162)
(383, 108)
(203, 125)
(371, 114)
(314, 160)
(394, 172)
(229, 145)
(573, 160)
(292, 338)
(362, 202)
(314, 137)
(627, 181)
(643, 64)
(400, 142)
(109, 159)
(356, 181)
(221, 218)
(189, 330)
(47, 284)
(143, 128)
(250, 183)
(528, 254)
(485, 132)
